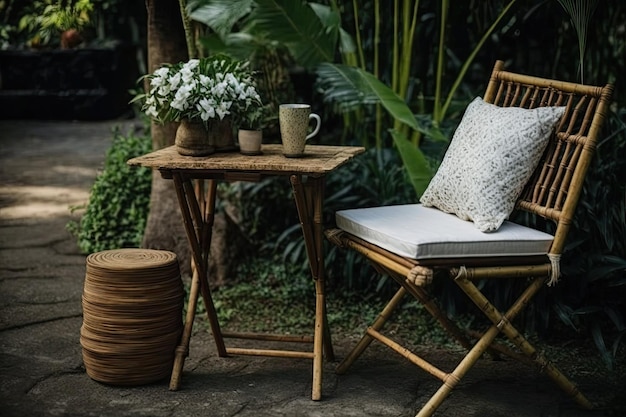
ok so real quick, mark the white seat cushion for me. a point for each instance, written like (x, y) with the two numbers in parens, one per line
(419, 232)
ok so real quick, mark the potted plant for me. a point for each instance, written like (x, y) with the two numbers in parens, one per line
(250, 119)
(67, 59)
(204, 95)
(68, 20)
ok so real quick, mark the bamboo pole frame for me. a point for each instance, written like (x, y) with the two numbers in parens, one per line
(195, 183)
(197, 206)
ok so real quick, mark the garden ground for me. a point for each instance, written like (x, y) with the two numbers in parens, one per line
(46, 167)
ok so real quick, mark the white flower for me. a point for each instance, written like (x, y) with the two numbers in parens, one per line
(187, 71)
(151, 109)
(232, 81)
(252, 93)
(162, 72)
(157, 82)
(183, 94)
(201, 89)
(191, 64)
(206, 108)
(164, 90)
(222, 109)
(160, 77)
(219, 89)
(205, 81)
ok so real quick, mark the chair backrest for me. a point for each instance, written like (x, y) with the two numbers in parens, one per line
(554, 189)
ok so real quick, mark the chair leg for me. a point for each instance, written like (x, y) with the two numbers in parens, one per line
(453, 378)
(422, 296)
(481, 345)
(503, 322)
(433, 309)
(367, 339)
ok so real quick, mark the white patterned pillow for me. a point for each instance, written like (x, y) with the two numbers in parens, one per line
(492, 155)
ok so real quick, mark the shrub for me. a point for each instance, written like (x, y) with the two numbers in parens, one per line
(117, 211)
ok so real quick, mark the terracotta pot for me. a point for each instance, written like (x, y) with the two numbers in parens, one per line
(192, 139)
(250, 141)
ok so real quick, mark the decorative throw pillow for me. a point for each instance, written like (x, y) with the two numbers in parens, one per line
(493, 153)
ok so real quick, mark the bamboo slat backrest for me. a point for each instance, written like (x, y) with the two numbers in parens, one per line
(555, 188)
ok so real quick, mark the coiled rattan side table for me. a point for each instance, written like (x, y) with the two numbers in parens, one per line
(132, 315)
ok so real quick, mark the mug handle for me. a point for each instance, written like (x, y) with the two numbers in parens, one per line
(317, 125)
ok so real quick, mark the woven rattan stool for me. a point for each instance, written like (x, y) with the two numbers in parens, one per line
(132, 315)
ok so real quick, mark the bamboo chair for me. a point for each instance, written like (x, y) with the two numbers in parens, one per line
(552, 193)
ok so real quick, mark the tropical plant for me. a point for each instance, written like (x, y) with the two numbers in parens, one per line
(101, 21)
(310, 31)
(338, 83)
(313, 34)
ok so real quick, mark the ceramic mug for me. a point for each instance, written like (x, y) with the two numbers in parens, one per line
(294, 123)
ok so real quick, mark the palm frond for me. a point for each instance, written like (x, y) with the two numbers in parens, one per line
(220, 15)
(351, 87)
(344, 86)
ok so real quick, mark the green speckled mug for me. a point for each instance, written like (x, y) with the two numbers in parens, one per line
(294, 123)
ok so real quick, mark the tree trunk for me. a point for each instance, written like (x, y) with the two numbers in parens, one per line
(166, 44)
(164, 229)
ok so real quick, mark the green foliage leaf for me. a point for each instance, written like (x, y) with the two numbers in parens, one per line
(344, 86)
(329, 18)
(296, 25)
(414, 161)
(351, 87)
(346, 42)
(426, 126)
(565, 313)
(239, 45)
(598, 339)
(219, 15)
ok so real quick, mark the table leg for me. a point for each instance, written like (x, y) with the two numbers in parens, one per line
(198, 221)
(309, 201)
(206, 217)
(182, 350)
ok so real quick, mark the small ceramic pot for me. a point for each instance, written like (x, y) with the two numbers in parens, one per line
(250, 141)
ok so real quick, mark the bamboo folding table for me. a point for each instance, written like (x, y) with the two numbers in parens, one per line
(195, 181)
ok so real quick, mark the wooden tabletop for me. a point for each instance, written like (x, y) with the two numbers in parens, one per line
(317, 160)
